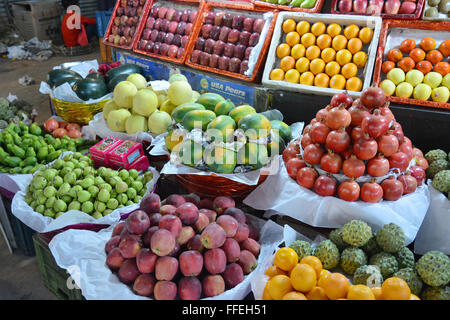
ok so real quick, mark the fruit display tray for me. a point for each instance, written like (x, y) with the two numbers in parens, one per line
(177, 4)
(260, 48)
(409, 28)
(413, 16)
(366, 74)
(263, 4)
(440, 17)
(111, 23)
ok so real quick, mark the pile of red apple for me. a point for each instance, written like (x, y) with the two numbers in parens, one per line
(226, 40)
(183, 247)
(125, 23)
(356, 138)
(377, 6)
(167, 31)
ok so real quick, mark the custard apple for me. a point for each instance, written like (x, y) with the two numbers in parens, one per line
(386, 262)
(356, 233)
(368, 275)
(436, 167)
(302, 248)
(405, 258)
(336, 237)
(441, 181)
(411, 278)
(434, 155)
(434, 268)
(436, 293)
(391, 238)
(371, 247)
(328, 254)
(351, 259)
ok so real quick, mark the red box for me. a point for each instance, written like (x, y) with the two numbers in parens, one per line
(99, 150)
(140, 164)
(263, 4)
(124, 154)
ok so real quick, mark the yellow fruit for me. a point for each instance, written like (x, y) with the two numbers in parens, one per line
(414, 297)
(292, 38)
(332, 68)
(274, 271)
(351, 31)
(287, 63)
(288, 25)
(307, 78)
(354, 84)
(323, 274)
(360, 292)
(294, 295)
(323, 41)
(292, 76)
(354, 45)
(376, 293)
(318, 28)
(266, 295)
(298, 51)
(366, 35)
(285, 259)
(317, 66)
(302, 65)
(302, 27)
(303, 277)
(313, 262)
(337, 82)
(308, 39)
(321, 80)
(278, 286)
(312, 52)
(349, 70)
(334, 29)
(316, 293)
(283, 50)
(328, 54)
(360, 59)
(343, 57)
(276, 74)
(336, 286)
(339, 42)
(395, 289)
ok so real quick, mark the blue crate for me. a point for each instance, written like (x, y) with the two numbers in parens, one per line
(102, 21)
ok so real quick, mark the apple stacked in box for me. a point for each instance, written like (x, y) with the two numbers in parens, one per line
(183, 247)
(356, 138)
(125, 23)
(377, 6)
(226, 41)
(167, 31)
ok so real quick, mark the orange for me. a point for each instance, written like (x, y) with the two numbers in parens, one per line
(377, 293)
(294, 295)
(298, 51)
(287, 63)
(444, 48)
(318, 28)
(328, 54)
(321, 80)
(407, 45)
(302, 27)
(424, 66)
(337, 82)
(278, 286)
(360, 59)
(354, 45)
(334, 29)
(394, 55)
(323, 274)
(406, 64)
(343, 56)
(351, 31)
(303, 277)
(414, 297)
(336, 286)
(316, 293)
(332, 68)
(339, 42)
(427, 44)
(417, 55)
(302, 65)
(288, 25)
(283, 50)
(317, 66)
(323, 41)
(387, 66)
(434, 56)
(442, 67)
(308, 39)
(349, 70)
(285, 258)
(312, 52)
(292, 38)
(292, 76)
(354, 84)
(360, 292)
(274, 271)
(307, 78)
(266, 294)
(276, 74)
(366, 35)
(395, 289)
(313, 262)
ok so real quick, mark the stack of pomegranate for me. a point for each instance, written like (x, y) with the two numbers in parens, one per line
(360, 144)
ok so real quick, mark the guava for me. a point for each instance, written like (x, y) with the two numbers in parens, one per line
(108, 107)
(180, 92)
(123, 94)
(177, 77)
(138, 80)
(117, 119)
(136, 123)
(159, 121)
(145, 102)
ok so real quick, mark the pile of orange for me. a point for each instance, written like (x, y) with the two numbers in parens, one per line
(322, 55)
(290, 279)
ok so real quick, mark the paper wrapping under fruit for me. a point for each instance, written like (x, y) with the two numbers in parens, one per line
(434, 231)
(82, 253)
(42, 224)
(284, 195)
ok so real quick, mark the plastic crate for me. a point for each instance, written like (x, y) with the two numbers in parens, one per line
(264, 4)
(55, 278)
(102, 18)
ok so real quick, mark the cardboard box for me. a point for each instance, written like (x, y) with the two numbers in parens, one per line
(41, 19)
(99, 151)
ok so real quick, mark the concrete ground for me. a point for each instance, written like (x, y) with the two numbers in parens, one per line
(20, 278)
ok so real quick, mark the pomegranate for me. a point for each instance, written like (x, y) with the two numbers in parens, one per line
(388, 144)
(365, 148)
(325, 186)
(378, 166)
(375, 124)
(341, 98)
(331, 162)
(373, 97)
(306, 140)
(417, 152)
(399, 160)
(407, 141)
(338, 140)
(421, 161)
(353, 167)
(322, 114)
(293, 165)
(289, 153)
(419, 173)
(406, 149)
(358, 113)
(313, 153)
(387, 113)
(371, 192)
(307, 129)
(392, 189)
(409, 183)
(306, 177)
(338, 117)
(357, 133)
(349, 190)
(397, 131)
(319, 132)
(347, 153)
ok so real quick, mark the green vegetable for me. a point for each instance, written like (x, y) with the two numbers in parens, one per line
(35, 129)
(42, 153)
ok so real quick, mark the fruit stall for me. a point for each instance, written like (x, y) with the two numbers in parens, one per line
(252, 150)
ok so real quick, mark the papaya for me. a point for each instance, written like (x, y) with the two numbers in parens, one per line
(173, 141)
(283, 129)
(239, 112)
(179, 112)
(221, 128)
(253, 154)
(191, 153)
(224, 107)
(255, 126)
(276, 144)
(221, 160)
(198, 118)
(209, 100)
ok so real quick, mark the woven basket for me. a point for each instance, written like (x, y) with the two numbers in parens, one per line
(77, 112)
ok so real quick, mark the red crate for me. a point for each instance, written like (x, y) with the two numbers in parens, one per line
(422, 25)
(263, 4)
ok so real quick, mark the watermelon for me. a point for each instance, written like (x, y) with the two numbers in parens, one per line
(56, 75)
(179, 112)
(195, 117)
(90, 89)
(95, 76)
(209, 100)
(225, 127)
(127, 69)
(119, 78)
(70, 80)
(255, 126)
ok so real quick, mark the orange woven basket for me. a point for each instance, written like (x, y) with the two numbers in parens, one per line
(421, 25)
(259, 66)
(263, 4)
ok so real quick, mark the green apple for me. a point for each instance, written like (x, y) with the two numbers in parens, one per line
(388, 87)
(433, 79)
(414, 77)
(422, 91)
(404, 90)
(446, 80)
(440, 94)
(396, 75)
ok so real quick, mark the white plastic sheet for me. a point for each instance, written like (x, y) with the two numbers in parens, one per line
(282, 194)
(82, 253)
